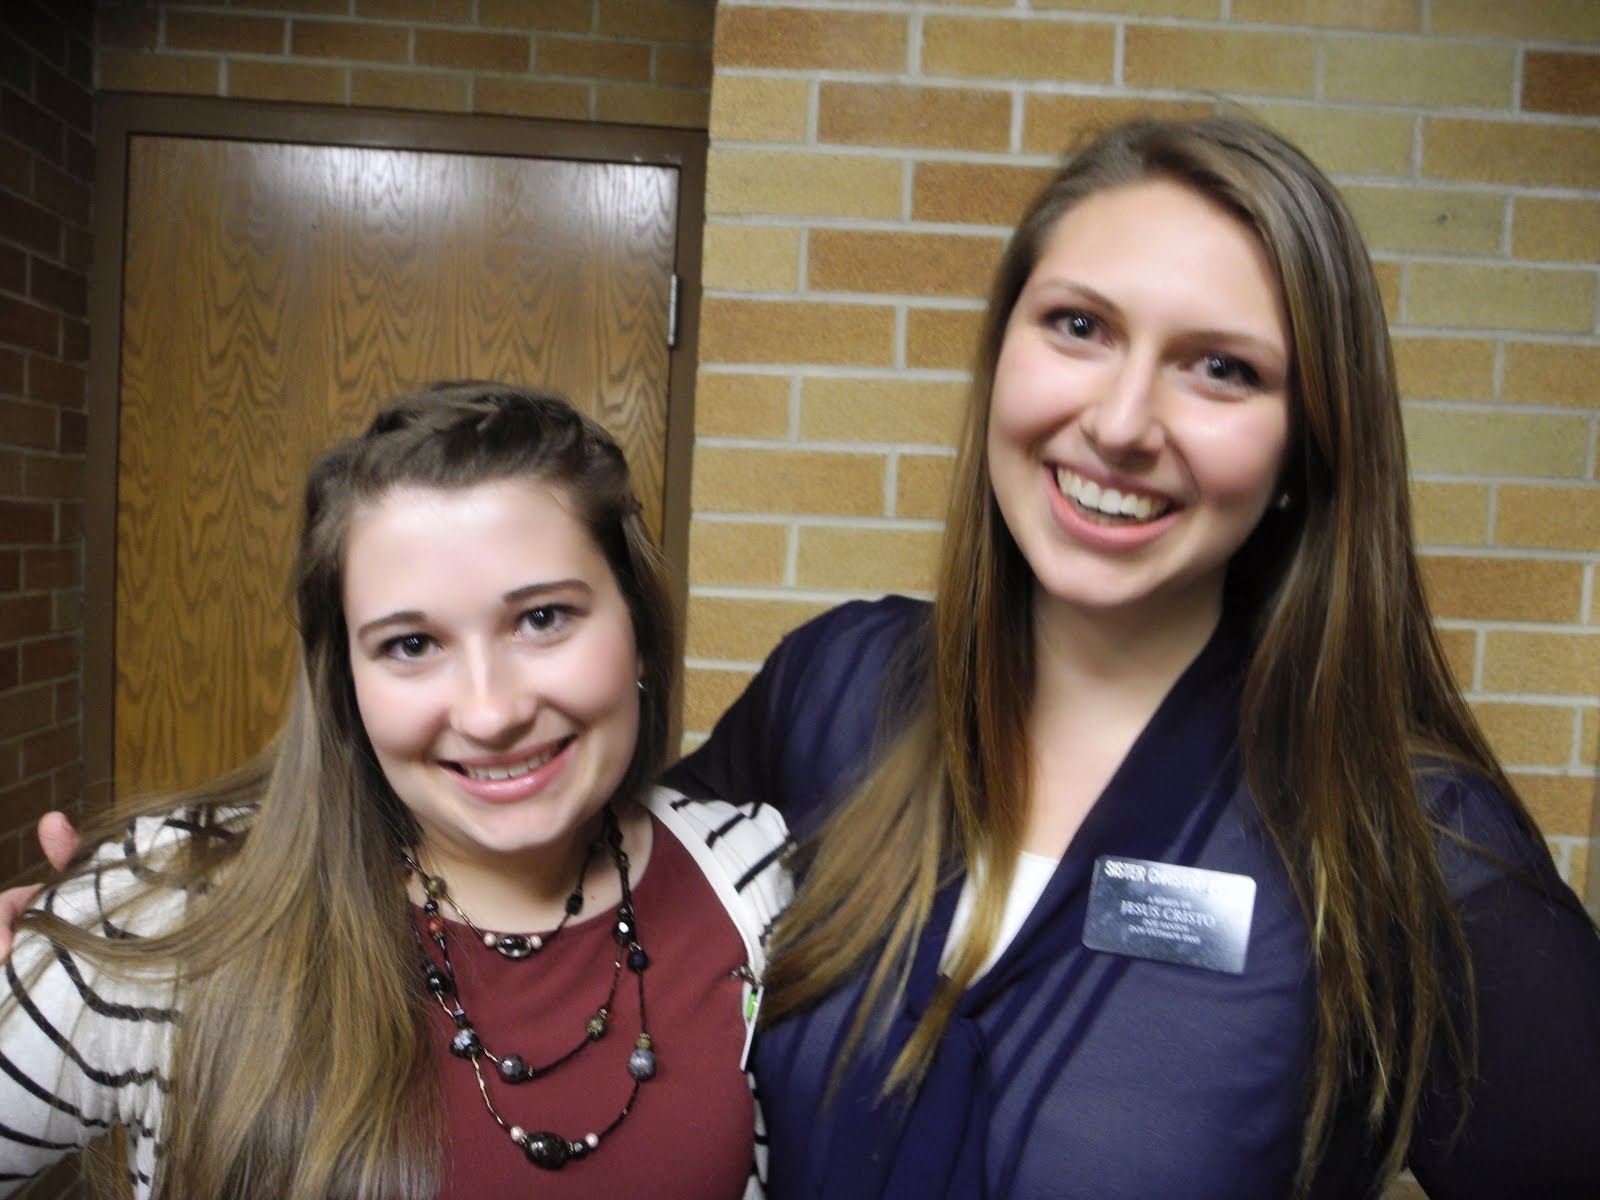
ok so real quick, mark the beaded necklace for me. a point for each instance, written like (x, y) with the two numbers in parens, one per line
(543, 1148)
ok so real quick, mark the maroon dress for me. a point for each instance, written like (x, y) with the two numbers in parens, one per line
(690, 1132)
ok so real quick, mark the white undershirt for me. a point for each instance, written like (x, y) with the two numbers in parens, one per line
(1028, 882)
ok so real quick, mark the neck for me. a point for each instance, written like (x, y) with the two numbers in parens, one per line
(1120, 661)
(528, 890)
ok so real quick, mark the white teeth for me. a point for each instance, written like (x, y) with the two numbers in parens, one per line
(1088, 494)
(511, 771)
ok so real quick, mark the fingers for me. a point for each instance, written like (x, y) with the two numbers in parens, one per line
(57, 838)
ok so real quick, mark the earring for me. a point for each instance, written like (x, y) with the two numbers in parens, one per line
(1283, 501)
(640, 682)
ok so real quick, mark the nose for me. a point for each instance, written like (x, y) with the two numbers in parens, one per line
(1123, 421)
(494, 701)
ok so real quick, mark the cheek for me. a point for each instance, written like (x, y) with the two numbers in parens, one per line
(1243, 461)
(386, 714)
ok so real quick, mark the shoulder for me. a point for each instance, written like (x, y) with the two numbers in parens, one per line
(1482, 835)
(739, 847)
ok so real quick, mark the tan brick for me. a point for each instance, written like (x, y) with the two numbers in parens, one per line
(1521, 153)
(683, 66)
(1428, 220)
(1561, 83)
(707, 693)
(742, 630)
(1226, 60)
(746, 406)
(801, 482)
(1419, 71)
(1552, 373)
(974, 193)
(941, 339)
(225, 33)
(916, 264)
(473, 50)
(1494, 443)
(456, 12)
(658, 20)
(1589, 739)
(139, 71)
(1542, 663)
(1387, 275)
(299, 82)
(1579, 875)
(1546, 20)
(1012, 48)
(752, 258)
(1433, 368)
(1132, 8)
(1504, 589)
(1549, 228)
(891, 114)
(922, 486)
(1547, 518)
(725, 554)
(866, 560)
(1460, 655)
(1346, 140)
(769, 331)
(1389, 16)
(625, 104)
(530, 98)
(585, 58)
(773, 183)
(125, 28)
(1561, 804)
(1450, 514)
(423, 91)
(554, 16)
(1544, 299)
(798, 39)
(301, 7)
(350, 40)
(1054, 124)
(754, 108)
(1527, 735)
(903, 411)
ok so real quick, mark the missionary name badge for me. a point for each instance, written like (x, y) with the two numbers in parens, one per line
(1170, 913)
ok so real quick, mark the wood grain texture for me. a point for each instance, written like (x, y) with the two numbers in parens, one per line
(274, 296)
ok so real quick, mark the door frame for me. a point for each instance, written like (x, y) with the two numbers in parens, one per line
(120, 117)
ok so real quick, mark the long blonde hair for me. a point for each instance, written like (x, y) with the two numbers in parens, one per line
(299, 1068)
(1342, 655)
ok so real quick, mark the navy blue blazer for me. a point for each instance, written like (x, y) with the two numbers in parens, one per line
(1071, 1072)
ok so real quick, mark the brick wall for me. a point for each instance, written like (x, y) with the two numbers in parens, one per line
(640, 62)
(46, 160)
(866, 163)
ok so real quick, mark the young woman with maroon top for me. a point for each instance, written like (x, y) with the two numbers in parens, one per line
(445, 938)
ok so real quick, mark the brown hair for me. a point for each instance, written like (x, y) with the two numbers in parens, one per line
(1330, 599)
(300, 1068)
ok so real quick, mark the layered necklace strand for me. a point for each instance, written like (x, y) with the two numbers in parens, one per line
(543, 1148)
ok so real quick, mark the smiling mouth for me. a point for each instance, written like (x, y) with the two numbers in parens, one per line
(510, 770)
(1108, 506)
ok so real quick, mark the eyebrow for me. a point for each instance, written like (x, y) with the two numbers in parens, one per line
(516, 596)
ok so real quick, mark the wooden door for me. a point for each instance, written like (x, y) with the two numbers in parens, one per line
(273, 295)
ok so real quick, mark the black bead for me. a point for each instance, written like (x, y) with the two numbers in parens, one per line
(430, 907)
(514, 945)
(547, 1150)
(638, 960)
(574, 903)
(623, 931)
(466, 1043)
(438, 982)
(514, 1068)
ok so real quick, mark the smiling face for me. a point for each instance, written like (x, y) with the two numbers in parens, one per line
(494, 665)
(1140, 410)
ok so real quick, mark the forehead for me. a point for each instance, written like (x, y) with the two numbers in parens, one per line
(502, 534)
